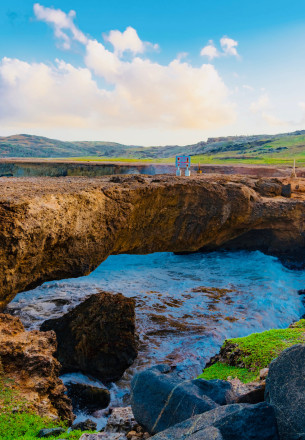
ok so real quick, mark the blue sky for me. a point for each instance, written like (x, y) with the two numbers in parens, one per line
(183, 71)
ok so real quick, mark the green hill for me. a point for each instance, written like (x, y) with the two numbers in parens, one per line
(280, 148)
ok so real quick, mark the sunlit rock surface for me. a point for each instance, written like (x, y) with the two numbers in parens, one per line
(58, 228)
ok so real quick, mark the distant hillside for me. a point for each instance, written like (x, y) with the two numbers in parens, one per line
(232, 148)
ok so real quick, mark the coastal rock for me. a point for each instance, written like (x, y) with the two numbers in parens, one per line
(159, 399)
(27, 358)
(97, 337)
(65, 227)
(86, 425)
(45, 433)
(285, 391)
(231, 422)
(121, 420)
(87, 397)
(103, 436)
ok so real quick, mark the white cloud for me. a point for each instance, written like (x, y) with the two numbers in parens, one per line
(61, 22)
(229, 46)
(128, 41)
(110, 91)
(210, 51)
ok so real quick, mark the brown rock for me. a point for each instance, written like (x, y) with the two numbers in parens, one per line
(97, 337)
(54, 228)
(264, 373)
(27, 359)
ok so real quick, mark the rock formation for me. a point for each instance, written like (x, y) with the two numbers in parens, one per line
(27, 359)
(97, 337)
(285, 391)
(59, 228)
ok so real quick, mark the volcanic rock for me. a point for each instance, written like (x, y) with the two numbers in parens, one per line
(285, 391)
(65, 227)
(86, 425)
(87, 397)
(159, 399)
(232, 422)
(97, 337)
(27, 359)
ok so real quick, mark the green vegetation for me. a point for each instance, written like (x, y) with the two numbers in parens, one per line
(254, 352)
(278, 149)
(19, 421)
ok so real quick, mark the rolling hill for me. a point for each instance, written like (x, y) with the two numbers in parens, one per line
(248, 149)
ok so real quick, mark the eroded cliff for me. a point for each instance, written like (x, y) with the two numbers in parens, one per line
(65, 227)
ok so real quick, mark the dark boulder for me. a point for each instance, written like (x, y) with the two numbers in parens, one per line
(97, 337)
(285, 391)
(230, 422)
(269, 187)
(52, 432)
(87, 397)
(159, 399)
(86, 425)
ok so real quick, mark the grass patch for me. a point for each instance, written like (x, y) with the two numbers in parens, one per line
(19, 421)
(245, 357)
(223, 371)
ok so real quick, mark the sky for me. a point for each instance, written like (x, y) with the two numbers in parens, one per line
(156, 72)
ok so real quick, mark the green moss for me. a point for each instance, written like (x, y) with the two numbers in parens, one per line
(223, 371)
(19, 421)
(254, 352)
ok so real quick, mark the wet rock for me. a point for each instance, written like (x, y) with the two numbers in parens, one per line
(45, 433)
(27, 358)
(232, 422)
(121, 420)
(86, 425)
(285, 391)
(159, 399)
(97, 337)
(88, 397)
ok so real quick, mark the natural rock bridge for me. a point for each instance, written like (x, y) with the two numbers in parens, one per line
(54, 228)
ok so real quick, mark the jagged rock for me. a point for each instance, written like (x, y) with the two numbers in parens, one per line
(160, 399)
(45, 433)
(285, 391)
(97, 337)
(263, 374)
(27, 359)
(87, 397)
(86, 425)
(121, 420)
(65, 227)
(232, 422)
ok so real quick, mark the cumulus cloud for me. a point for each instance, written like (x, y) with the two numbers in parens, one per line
(228, 48)
(210, 51)
(110, 91)
(128, 41)
(61, 23)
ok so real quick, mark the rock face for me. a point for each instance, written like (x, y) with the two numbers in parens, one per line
(97, 337)
(230, 422)
(159, 399)
(285, 391)
(27, 359)
(65, 227)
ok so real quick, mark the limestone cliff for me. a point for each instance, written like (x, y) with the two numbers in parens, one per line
(52, 228)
